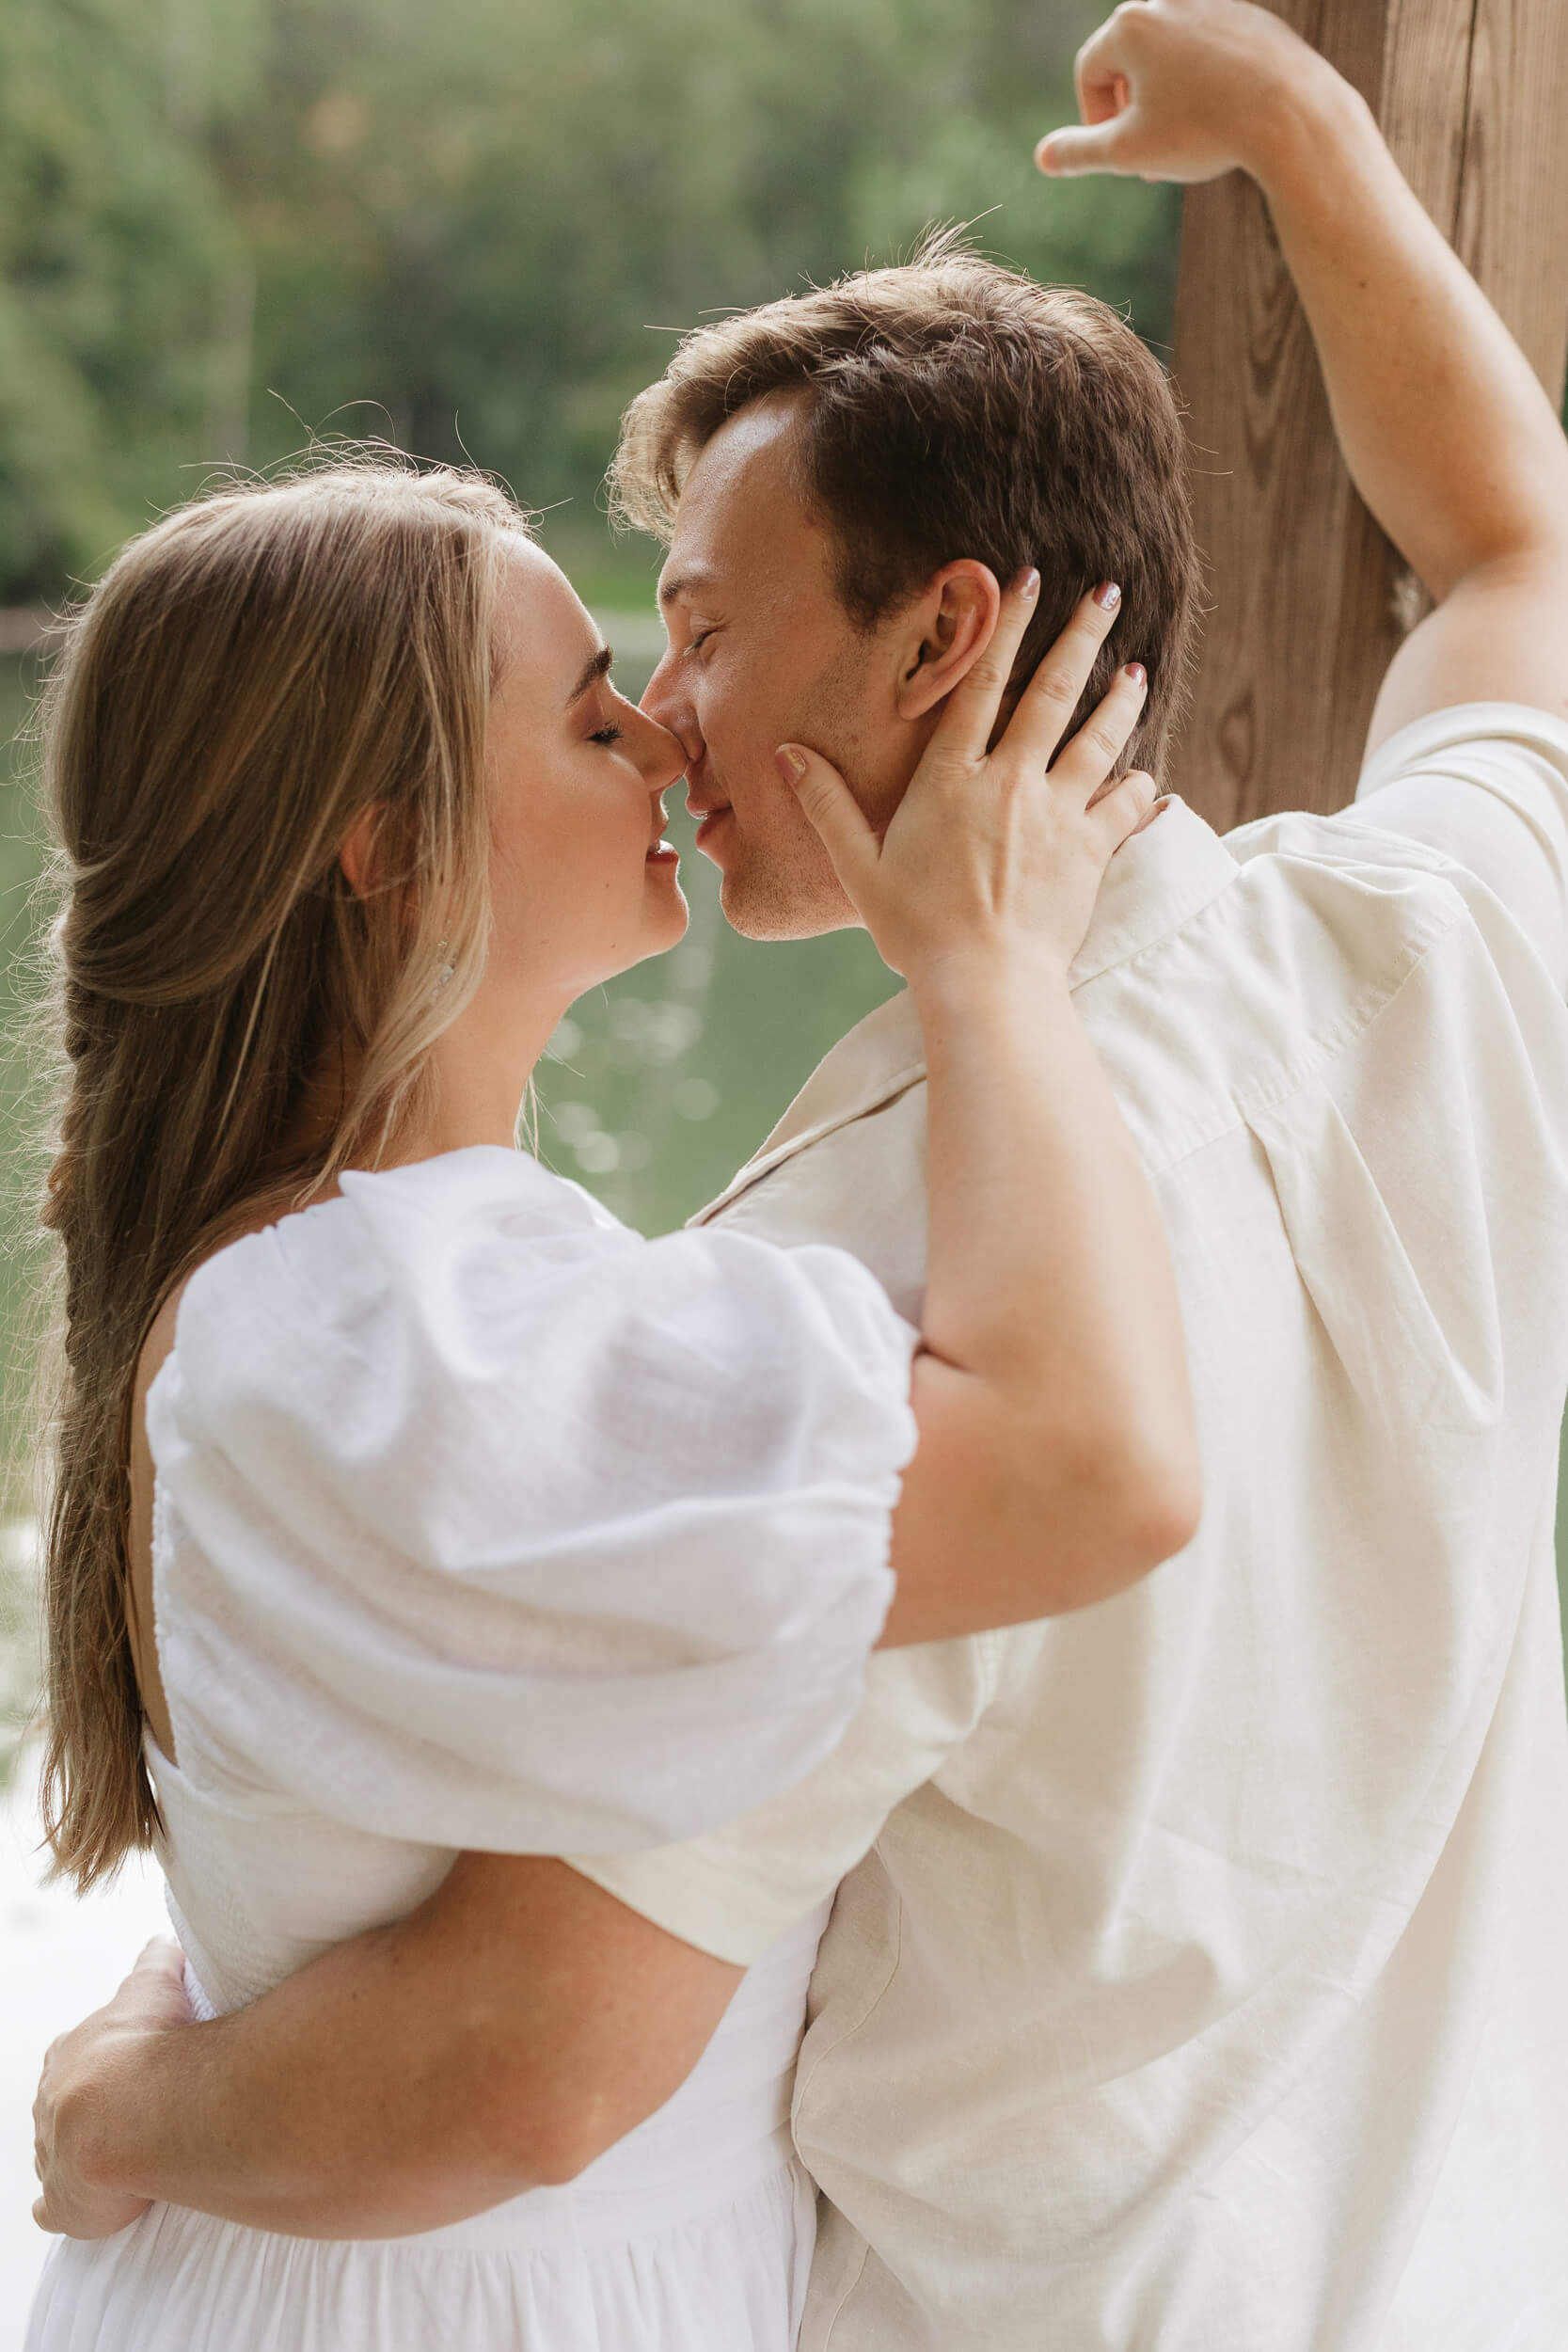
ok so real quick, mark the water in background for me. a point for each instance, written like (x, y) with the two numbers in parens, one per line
(648, 1097)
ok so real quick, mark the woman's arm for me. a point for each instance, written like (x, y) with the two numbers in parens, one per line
(1057, 1458)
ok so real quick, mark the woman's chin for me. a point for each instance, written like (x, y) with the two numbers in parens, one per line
(666, 915)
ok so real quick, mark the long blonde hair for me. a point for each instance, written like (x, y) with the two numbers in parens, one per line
(248, 677)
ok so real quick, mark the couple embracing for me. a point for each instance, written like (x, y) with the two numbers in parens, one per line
(556, 1668)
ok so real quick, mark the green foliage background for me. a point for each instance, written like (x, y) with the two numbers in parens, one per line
(226, 223)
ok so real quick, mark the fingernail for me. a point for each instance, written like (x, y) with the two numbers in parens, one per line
(1136, 672)
(1027, 584)
(790, 765)
(1107, 596)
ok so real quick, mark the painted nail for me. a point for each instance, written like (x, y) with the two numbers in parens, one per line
(1107, 596)
(791, 765)
(1136, 672)
(1027, 584)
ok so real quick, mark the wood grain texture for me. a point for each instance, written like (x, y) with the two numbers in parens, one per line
(1308, 600)
(1512, 224)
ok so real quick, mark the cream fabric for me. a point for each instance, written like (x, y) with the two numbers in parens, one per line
(480, 1521)
(1201, 1975)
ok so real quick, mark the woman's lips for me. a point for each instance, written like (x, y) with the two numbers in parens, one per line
(663, 853)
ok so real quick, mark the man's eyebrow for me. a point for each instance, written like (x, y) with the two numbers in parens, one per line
(672, 591)
(595, 667)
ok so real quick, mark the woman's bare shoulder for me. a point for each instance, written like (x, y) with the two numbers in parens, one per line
(158, 1344)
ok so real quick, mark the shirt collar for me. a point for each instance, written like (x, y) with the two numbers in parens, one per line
(1153, 885)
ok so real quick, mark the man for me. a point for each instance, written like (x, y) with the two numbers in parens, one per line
(1196, 1974)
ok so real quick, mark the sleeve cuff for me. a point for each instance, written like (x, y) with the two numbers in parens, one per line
(1440, 731)
(708, 1901)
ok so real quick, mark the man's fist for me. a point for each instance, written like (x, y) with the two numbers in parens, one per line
(1179, 89)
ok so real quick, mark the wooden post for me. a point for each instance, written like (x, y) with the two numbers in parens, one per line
(1309, 600)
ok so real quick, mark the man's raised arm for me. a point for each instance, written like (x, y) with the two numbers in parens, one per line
(1445, 428)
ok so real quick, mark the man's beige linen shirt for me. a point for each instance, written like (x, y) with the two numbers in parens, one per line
(1199, 1979)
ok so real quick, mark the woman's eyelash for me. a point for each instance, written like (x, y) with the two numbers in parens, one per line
(612, 734)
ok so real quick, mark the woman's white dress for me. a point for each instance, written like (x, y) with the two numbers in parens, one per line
(480, 1521)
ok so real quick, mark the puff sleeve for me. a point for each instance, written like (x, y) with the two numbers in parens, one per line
(481, 1520)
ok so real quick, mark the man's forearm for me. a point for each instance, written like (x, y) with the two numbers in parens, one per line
(499, 2039)
(1445, 428)
(1447, 435)
(340, 2106)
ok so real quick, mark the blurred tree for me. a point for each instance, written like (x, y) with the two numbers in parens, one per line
(114, 242)
(489, 210)
(458, 227)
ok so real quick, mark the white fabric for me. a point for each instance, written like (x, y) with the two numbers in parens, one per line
(694, 2234)
(480, 1521)
(1203, 1984)
(483, 1515)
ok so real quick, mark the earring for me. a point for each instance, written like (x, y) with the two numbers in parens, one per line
(444, 975)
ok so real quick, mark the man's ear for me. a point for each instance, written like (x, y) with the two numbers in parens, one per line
(356, 856)
(944, 633)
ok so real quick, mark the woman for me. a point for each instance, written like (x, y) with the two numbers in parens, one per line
(403, 1502)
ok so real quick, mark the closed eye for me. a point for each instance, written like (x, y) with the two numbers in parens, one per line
(611, 734)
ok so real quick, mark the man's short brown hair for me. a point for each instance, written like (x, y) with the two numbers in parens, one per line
(952, 409)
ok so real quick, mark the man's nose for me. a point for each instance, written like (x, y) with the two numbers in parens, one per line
(664, 703)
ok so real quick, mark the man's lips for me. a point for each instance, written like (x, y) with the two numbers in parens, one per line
(707, 808)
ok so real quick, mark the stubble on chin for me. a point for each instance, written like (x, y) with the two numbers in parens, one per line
(760, 903)
(783, 889)
(778, 881)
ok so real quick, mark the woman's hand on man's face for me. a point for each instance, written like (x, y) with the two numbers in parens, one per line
(997, 846)
(87, 2078)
